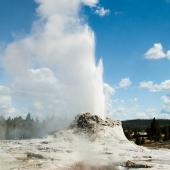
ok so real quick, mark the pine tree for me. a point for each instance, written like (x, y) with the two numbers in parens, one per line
(167, 136)
(155, 131)
(142, 140)
(138, 140)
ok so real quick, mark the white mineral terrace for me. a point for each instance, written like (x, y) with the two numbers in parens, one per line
(106, 146)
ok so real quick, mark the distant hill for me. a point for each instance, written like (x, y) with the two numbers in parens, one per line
(142, 123)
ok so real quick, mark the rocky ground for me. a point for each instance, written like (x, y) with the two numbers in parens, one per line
(90, 143)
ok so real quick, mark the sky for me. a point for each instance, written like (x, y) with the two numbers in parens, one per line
(131, 37)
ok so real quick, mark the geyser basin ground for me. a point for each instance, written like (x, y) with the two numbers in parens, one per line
(89, 140)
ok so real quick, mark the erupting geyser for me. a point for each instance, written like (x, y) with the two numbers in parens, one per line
(56, 70)
(53, 70)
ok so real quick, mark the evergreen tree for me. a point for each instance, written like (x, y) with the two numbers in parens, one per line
(2, 127)
(155, 131)
(20, 128)
(138, 140)
(142, 140)
(166, 131)
(127, 134)
(135, 133)
(149, 134)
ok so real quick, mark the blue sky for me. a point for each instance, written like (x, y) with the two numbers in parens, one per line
(124, 35)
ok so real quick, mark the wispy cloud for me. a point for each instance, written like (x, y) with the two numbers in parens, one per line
(166, 100)
(157, 52)
(6, 101)
(148, 113)
(154, 87)
(165, 105)
(90, 3)
(101, 11)
(125, 83)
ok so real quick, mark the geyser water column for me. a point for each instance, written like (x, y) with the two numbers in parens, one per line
(56, 70)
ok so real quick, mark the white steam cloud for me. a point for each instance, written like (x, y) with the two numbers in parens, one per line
(53, 69)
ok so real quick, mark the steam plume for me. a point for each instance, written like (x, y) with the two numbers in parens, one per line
(53, 69)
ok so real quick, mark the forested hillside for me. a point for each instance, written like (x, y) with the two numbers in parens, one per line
(143, 123)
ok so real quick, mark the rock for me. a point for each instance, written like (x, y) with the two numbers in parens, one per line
(130, 164)
(90, 122)
(45, 142)
(33, 155)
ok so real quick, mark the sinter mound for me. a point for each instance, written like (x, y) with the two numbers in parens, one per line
(88, 121)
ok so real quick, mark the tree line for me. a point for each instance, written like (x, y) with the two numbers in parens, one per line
(154, 132)
(26, 128)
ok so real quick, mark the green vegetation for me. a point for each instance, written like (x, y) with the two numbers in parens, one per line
(20, 128)
(154, 131)
(151, 130)
(142, 124)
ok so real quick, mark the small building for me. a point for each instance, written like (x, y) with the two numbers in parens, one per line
(143, 134)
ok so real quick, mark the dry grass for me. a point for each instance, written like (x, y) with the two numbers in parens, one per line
(157, 145)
